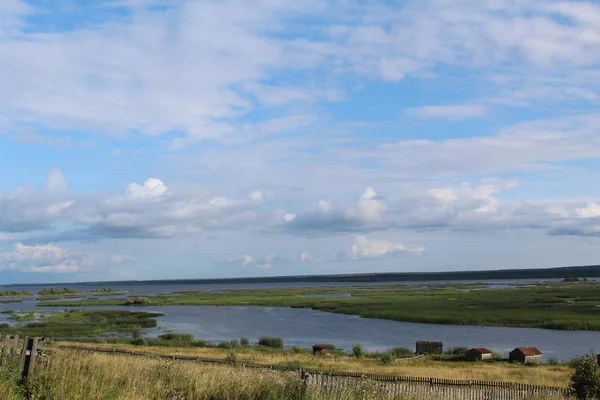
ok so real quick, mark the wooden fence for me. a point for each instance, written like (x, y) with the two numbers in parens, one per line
(442, 389)
(388, 386)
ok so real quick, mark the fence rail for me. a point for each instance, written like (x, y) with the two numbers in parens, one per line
(390, 385)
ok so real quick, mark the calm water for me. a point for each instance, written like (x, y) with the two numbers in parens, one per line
(302, 327)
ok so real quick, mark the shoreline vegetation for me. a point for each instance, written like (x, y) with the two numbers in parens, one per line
(77, 323)
(58, 293)
(556, 305)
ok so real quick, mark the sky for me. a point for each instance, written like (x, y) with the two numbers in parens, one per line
(151, 139)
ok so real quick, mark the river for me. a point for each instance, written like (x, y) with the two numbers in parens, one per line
(304, 327)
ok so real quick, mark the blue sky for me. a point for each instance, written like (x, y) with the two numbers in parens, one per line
(149, 139)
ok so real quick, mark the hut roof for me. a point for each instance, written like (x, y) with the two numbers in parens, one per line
(481, 350)
(528, 351)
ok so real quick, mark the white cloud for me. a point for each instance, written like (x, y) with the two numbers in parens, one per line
(365, 248)
(528, 146)
(369, 207)
(142, 73)
(25, 209)
(53, 259)
(159, 70)
(450, 112)
(152, 188)
(592, 210)
(365, 213)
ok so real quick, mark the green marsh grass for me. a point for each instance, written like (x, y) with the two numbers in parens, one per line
(565, 306)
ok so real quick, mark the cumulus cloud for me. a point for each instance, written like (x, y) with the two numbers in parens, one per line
(26, 209)
(152, 188)
(148, 210)
(153, 210)
(53, 259)
(365, 248)
(592, 210)
(365, 213)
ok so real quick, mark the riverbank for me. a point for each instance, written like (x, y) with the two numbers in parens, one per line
(561, 306)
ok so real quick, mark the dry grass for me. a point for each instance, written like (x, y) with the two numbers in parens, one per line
(79, 376)
(76, 375)
(546, 375)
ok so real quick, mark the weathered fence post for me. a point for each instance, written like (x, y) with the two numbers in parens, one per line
(15, 345)
(6, 345)
(28, 358)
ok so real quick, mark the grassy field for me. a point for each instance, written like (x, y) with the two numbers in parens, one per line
(71, 375)
(565, 306)
(78, 322)
(542, 374)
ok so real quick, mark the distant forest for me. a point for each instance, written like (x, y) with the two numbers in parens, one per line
(541, 273)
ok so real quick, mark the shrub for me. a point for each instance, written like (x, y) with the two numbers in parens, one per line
(234, 344)
(457, 351)
(139, 342)
(54, 291)
(224, 345)
(138, 301)
(387, 358)
(136, 334)
(357, 350)
(271, 342)
(401, 352)
(3, 325)
(298, 350)
(179, 337)
(553, 361)
(232, 358)
(245, 342)
(585, 381)
(328, 346)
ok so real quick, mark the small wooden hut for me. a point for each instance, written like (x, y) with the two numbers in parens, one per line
(429, 348)
(320, 349)
(525, 354)
(478, 354)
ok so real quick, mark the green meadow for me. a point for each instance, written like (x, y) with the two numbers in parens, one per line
(78, 322)
(564, 306)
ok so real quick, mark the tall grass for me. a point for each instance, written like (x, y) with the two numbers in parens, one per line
(77, 376)
(83, 376)
(9, 390)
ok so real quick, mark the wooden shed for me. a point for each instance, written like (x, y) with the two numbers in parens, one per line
(478, 354)
(525, 354)
(320, 349)
(429, 348)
